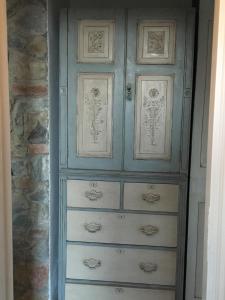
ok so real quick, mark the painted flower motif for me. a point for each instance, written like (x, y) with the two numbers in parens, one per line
(95, 92)
(153, 93)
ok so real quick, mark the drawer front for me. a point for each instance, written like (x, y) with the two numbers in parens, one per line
(108, 227)
(121, 264)
(93, 194)
(87, 292)
(151, 197)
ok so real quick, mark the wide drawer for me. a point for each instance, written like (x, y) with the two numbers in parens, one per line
(87, 292)
(93, 194)
(122, 228)
(151, 197)
(121, 264)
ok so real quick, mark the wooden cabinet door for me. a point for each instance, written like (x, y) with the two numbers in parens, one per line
(155, 79)
(96, 42)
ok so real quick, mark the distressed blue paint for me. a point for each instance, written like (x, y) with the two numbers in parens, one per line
(156, 171)
(176, 70)
(117, 68)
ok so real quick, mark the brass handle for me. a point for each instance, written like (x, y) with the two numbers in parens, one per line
(93, 195)
(150, 197)
(149, 229)
(148, 267)
(129, 92)
(92, 227)
(92, 263)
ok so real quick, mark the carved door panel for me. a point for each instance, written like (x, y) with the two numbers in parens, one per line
(155, 76)
(95, 88)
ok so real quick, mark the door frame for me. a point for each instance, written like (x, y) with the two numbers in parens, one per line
(6, 273)
(214, 241)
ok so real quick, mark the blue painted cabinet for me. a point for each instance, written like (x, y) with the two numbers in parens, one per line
(126, 90)
(125, 110)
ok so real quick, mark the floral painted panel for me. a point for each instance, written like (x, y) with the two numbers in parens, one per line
(153, 117)
(156, 42)
(94, 122)
(96, 41)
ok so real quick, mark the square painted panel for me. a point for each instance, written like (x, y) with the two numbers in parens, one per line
(94, 119)
(96, 41)
(153, 117)
(156, 42)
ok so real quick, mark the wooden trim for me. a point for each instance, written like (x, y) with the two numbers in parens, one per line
(214, 259)
(6, 274)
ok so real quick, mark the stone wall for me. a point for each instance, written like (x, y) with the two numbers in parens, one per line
(28, 66)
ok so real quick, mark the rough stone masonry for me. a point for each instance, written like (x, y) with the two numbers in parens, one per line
(28, 67)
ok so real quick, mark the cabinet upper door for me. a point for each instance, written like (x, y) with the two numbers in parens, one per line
(96, 40)
(129, 89)
(155, 81)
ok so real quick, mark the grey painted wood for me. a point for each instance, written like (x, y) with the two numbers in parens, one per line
(93, 194)
(122, 228)
(157, 172)
(198, 171)
(116, 69)
(188, 91)
(176, 70)
(62, 150)
(85, 292)
(200, 244)
(159, 197)
(63, 105)
(206, 98)
(124, 265)
(131, 4)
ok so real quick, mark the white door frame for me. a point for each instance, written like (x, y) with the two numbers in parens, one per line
(214, 255)
(6, 274)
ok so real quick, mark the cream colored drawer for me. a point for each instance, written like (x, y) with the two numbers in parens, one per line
(87, 292)
(108, 227)
(152, 197)
(120, 264)
(93, 194)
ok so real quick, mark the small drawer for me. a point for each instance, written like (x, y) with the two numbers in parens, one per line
(121, 264)
(151, 197)
(93, 194)
(122, 228)
(87, 292)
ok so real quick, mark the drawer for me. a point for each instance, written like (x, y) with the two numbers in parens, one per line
(151, 197)
(87, 292)
(93, 194)
(122, 228)
(121, 264)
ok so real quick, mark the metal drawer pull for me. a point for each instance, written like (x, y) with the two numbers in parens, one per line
(92, 263)
(151, 197)
(93, 195)
(148, 267)
(92, 227)
(149, 229)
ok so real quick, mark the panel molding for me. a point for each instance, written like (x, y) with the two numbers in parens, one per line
(151, 35)
(96, 41)
(94, 114)
(153, 122)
